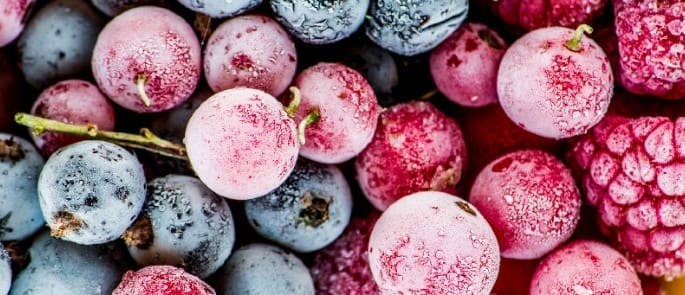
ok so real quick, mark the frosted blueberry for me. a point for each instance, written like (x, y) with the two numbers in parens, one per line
(220, 8)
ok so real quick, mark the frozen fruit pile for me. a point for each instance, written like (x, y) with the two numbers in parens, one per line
(335, 147)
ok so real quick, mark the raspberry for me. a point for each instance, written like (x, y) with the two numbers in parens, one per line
(161, 280)
(632, 171)
(651, 43)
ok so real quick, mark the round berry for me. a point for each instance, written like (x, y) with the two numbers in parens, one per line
(14, 15)
(530, 15)
(161, 280)
(220, 8)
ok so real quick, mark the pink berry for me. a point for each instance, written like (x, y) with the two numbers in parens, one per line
(530, 199)
(343, 267)
(554, 84)
(651, 43)
(152, 68)
(13, 16)
(415, 148)
(349, 112)
(433, 243)
(241, 143)
(464, 67)
(252, 51)
(74, 102)
(530, 15)
(585, 267)
(161, 280)
(632, 171)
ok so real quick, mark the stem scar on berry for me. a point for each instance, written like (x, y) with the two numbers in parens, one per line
(315, 211)
(141, 80)
(573, 44)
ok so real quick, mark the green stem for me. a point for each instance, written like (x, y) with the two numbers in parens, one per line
(428, 95)
(140, 83)
(291, 109)
(146, 140)
(311, 118)
(574, 43)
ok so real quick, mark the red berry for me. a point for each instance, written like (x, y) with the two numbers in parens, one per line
(535, 14)
(161, 280)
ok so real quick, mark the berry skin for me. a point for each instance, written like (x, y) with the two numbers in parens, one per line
(349, 112)
(343, 267)
(551, 90)
(415, 148)
(651, 45)
(464, 67)
(264, 269)
(585, 267)
(115, 7)
(307, 212)
(58, 42)
(320, 22)
(251, 51)
(161, 280)
(5, 271)
(433, 243)
(632, 171)
(184, 224)
(74, 102)
(20, 166)
(91, 191)
(10, 96)
(61, 267)
(410, 27)
(162, 56)
(220, 8)
(13, 16)
(241, 143)
(374, 63)
(531, 15)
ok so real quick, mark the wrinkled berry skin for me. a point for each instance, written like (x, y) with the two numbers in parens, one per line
(91, 191)
(190, 227)
(5, 271)
(161, 280)
(632, 171)
(307, 212)
(115, 7)
(20, 166)
(264, 269)
(320, 22)
(529, 15)
(58, 42)
(651, 45)
(13, 16)
(61, 267)
(220, 8)
(411, 27)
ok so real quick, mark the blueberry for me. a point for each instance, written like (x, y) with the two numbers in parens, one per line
(320, 21)
(375, 63)
(264, 269)
(183, 224)
(5, 271)
(410, 27)
(220, 8)
(20, 166)
(60, 267)
(114, 7)
(91, 191)
(307, 212)
(58, 42)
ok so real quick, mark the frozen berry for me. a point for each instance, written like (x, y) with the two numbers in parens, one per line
(410, 27)
(531, 201)
(114, 7)
(530, 15)
(220, 8)
(320, 22)
(14, 14)
(343, 267)
(632, 171)
(585, 267)
(183, 224)
(58, 42)
(20, 166)
(514, 277)
(464, 67)
(241, 143)
(415, 148)
(251, 51)
(74, 102)
(91, 191)
(10, 96)
(154, 68)
(374, 63)
(161, 280)
(433, 243)
(555, 83)
(348, 108)
(307, 212)
(651, 44)
(264, 269)
(5, 271)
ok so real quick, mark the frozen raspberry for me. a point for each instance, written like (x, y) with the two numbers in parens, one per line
(531, 201)
(343, 267)
(585, 267)
(161, 280)
(633, 172)
(530, 15)
(651, 43)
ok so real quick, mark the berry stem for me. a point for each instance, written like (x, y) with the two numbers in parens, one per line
(140, 83)
(428, 95)
(146, 140)
(291, 109)
(311, 118)
(574, 43)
